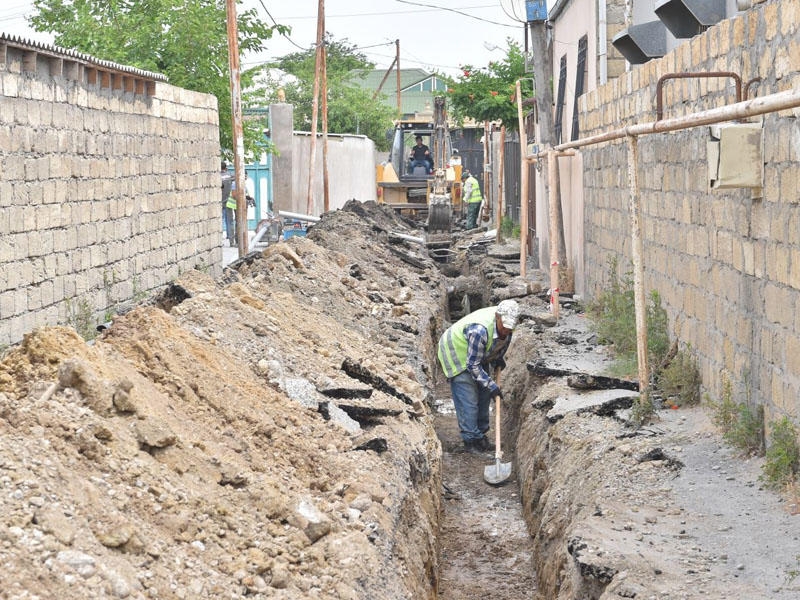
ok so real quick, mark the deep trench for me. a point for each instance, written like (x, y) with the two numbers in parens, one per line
(485, 550)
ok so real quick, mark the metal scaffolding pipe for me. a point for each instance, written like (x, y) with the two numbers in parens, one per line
(708, 75)
(741, 110)
(298, 216)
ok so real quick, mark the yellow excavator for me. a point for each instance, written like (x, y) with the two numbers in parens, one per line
(416, 190)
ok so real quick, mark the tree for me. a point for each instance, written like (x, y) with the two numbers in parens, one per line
(186, 40)
(487, 93)
(351, 108)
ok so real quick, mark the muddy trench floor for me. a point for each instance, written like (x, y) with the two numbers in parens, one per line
(485, 549)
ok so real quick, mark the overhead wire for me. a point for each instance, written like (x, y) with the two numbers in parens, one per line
(274, 22)
(458, 12)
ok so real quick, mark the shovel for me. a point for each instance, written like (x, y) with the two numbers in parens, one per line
(497, 473)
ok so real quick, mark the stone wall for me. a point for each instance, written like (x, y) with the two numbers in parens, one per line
(726, 263)
(105, 194)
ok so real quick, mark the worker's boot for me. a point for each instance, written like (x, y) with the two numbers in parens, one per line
(473, 447)
(485, 445)
(479, 447)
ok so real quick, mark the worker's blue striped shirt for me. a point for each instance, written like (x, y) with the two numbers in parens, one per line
(477, 338)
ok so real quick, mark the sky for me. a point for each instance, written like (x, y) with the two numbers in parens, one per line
(435, 35)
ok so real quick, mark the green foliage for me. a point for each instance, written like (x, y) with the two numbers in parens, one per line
(351, 108)
(508, 228)
(138, 294)
(80, 317)
(740, 424)
(613, 315)
(642, 410)
(186, 40)
(680, 380)
(783, 454)
(487, 93)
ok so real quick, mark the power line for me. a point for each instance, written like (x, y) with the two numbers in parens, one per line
(458, 12)
(261, 2)
(383, 14)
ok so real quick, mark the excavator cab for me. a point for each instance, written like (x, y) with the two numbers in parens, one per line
(410, 187)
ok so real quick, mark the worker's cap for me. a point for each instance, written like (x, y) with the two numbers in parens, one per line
(464, 174)
(509, 313)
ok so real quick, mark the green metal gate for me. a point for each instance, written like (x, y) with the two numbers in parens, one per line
(261, 176)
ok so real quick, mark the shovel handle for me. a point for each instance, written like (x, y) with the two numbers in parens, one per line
(498, 453)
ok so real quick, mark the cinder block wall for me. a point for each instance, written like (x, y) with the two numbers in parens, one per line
(726, 265)
(104, 195)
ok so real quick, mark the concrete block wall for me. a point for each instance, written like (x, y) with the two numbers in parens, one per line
(727, 265)
(105, 195)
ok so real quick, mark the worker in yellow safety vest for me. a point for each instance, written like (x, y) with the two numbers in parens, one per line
(466, 350)
(472, 196)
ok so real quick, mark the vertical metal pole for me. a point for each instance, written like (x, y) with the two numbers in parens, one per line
(238, 132)
(552, 198)
(638, 269)
(397, 66)
(523, 187)
(325, 189)
(312, 159)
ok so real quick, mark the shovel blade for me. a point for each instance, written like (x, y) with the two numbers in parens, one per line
(497, 473)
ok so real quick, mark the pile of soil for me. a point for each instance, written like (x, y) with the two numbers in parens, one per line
(263, 435)
(282, 433)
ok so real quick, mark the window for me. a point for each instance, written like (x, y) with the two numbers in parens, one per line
(562, 82)
(580, 83)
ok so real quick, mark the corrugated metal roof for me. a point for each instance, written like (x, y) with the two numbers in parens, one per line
(371, 79)
(58, 52)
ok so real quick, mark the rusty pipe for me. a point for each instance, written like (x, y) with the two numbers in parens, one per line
(748, 85)
(660, 86)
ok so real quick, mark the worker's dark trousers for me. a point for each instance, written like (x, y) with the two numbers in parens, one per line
(473, 208)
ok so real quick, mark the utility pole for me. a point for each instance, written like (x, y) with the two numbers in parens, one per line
(238, 134)
(397, 66)
(312, 159)
(542, 52)
(325, 191)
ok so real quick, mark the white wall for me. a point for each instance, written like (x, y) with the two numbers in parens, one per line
(351, 171)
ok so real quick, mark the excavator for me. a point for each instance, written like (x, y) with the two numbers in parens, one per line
(416, 191)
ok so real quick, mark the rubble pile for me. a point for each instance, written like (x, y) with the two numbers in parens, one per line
(263, 435)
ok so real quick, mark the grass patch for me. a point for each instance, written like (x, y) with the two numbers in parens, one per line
(613, 317)
(81, 318)
(783, 455)
(679, 381)
(508, 229)
(742, 426)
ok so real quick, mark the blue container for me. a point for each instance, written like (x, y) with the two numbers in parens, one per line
(536, 10)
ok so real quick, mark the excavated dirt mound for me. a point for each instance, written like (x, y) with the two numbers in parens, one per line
(268, 436)
(282, 433)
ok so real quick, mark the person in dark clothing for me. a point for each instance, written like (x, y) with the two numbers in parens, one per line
(420, 156)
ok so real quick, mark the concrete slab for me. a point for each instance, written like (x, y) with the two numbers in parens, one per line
(601, 402)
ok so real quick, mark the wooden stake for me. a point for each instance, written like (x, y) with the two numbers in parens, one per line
(325, 189)
(501, 177)
(552, 198)
(312, 159)
(523, 188)
(638, 267)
